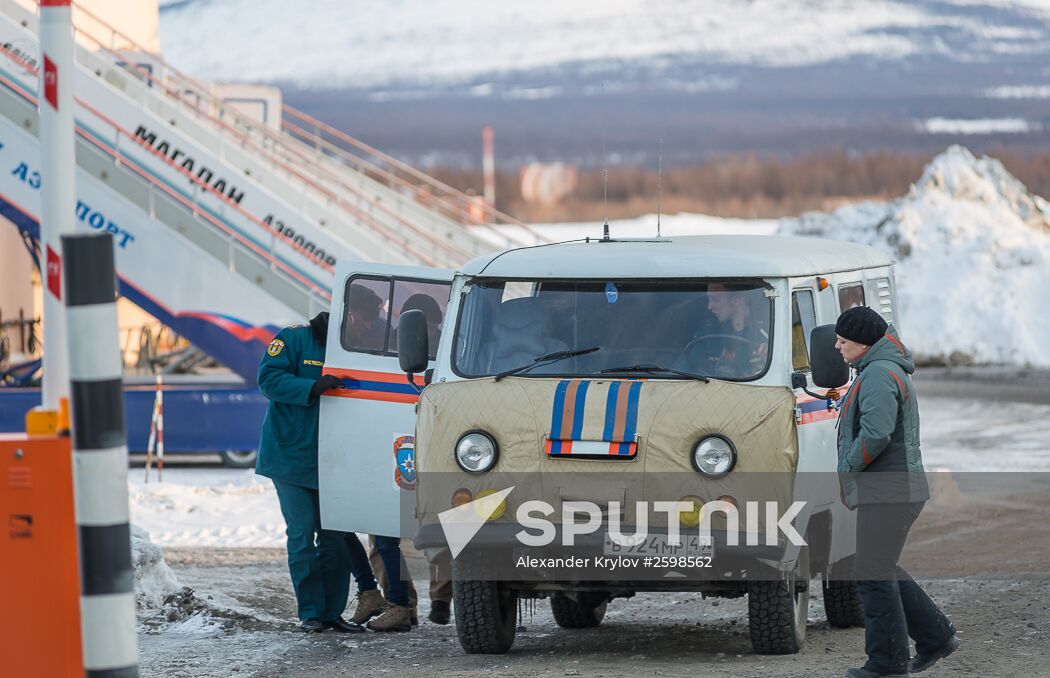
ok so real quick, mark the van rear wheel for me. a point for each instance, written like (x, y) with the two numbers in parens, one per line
(841, 599)
(778, 609)
(584, 613)
(486, 611)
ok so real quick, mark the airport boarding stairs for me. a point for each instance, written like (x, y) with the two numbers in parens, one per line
(225, 227)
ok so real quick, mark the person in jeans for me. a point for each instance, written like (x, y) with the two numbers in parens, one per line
(882, 477)
(440, 564)
(396, 611)
(320, 561)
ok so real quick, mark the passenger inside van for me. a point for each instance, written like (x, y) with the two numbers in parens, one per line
(521, 334)
(431, 312)
(364, 329)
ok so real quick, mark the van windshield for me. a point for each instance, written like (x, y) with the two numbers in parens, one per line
(720, 329)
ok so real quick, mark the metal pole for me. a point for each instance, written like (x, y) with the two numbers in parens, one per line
(488, 163)
(58, 199)
(100, 459)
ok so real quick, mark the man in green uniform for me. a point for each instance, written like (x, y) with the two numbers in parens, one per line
(320, 561)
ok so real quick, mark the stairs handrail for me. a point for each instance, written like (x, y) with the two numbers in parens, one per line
(386, 233)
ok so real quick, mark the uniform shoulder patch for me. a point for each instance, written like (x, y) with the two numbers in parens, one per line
(275, 347)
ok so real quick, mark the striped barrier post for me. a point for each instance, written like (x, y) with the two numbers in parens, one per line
(160, 428)
(100, 459)
(152, 438)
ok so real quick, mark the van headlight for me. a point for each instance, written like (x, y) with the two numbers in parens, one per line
(714, 456)
(476, 452)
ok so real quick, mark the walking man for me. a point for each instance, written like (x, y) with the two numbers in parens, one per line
(320, 561)
(882, 475)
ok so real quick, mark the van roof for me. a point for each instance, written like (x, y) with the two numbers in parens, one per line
(694, 256)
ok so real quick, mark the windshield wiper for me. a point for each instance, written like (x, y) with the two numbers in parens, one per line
(547, 359)
(654, 368)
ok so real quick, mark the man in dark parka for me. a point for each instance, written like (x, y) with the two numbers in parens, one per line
(880, 466)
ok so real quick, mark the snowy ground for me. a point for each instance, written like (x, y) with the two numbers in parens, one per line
(197, 506)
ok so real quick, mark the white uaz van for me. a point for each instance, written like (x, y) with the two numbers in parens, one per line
(601, 380)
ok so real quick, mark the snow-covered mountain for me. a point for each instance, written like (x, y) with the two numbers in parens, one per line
(409, 43)
(973, 251)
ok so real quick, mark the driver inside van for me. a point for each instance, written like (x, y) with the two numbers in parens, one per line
(739, 347)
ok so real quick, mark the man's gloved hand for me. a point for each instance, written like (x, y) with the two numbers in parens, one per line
(326, 383)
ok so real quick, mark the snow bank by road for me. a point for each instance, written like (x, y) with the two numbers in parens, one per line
(207, 507)
(973, 247)
(154, 580)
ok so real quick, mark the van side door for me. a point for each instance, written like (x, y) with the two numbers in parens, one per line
(366, 451)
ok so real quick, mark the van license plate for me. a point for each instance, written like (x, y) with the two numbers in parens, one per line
(658, 545)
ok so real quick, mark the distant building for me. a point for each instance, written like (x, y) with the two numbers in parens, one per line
(547, 183)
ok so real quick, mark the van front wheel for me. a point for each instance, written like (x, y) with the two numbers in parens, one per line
(486, 612)
(777, 610)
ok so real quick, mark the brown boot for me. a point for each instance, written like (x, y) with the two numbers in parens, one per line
(369, 604)
(396, 618)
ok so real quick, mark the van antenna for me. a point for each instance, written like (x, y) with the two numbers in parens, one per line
(605, 173)
(659, 184)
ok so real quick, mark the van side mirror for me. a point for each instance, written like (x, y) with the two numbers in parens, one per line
(413, 350)
(828, 368)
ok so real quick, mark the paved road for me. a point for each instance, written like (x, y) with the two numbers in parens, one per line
(986, 383)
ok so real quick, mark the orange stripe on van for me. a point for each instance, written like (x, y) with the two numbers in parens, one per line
(569, 410)
(365, 375)
(383, 387)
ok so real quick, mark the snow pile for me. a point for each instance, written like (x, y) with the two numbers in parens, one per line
(154, 580)
(164, 605)
(207, 507)
(973, 251)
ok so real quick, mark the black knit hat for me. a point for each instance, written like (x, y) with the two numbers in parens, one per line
(861, 324)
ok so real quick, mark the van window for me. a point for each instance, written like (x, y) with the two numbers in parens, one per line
(884, 298)
(803, 320)
(418, 295)
(373, 305)
(850, 295)
(366, 313)
(721, 329)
